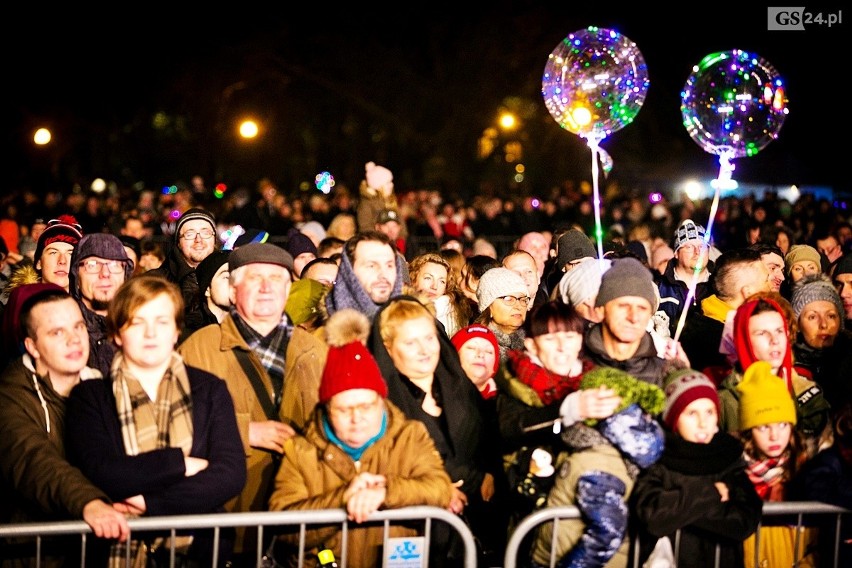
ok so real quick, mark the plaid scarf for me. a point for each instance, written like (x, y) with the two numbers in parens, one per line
(271, 350)
(549, 386)
(148, 425)
(767, 474)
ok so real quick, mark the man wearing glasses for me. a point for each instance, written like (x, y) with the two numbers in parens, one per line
(99, 265)
(194, 240)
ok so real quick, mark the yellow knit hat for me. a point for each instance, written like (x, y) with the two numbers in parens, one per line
(764, 398)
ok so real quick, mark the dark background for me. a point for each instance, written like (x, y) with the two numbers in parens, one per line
(151, 97)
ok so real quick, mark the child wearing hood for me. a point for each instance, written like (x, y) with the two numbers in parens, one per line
(699, 488)
(763, 326)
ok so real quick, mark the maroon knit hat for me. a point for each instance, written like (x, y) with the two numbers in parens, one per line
(465, 334)
(684, 386)
(65, 229)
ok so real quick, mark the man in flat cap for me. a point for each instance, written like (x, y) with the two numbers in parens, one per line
(272, 368)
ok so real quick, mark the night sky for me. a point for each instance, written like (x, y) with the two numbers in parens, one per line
(420, 70)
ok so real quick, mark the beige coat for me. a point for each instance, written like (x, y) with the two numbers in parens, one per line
(315, 473)
(212, 348)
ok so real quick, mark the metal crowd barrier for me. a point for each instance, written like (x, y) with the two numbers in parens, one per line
(555, 514)
(218, 521)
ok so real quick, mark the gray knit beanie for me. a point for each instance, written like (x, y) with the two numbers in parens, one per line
(499, 282)
(813, 288)
(627, 277)
(573, 245)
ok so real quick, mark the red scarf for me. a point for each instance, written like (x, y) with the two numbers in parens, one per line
(745, 352)
(549, 386)
(767, 476)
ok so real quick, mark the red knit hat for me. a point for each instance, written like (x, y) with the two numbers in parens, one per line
(465, 334)
(349, 365)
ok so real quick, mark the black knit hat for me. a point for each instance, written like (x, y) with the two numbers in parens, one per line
(844, 265)
(574, 245)
(207, 268)
(299, 243)
(194, 213)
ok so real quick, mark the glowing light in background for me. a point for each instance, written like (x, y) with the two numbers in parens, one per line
(324, 182)
(249, 129)
(42, 136)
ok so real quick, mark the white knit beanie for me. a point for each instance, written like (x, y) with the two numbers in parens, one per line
(499, 282)
(583, 282)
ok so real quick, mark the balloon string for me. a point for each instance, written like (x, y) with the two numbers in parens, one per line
(593, 142)
(726, 169)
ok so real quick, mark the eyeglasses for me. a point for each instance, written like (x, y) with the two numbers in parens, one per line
(93, 266)
(191, 234)
(510, 300)
(356, 409)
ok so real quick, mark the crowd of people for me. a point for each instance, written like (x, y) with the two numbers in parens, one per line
(383, 350)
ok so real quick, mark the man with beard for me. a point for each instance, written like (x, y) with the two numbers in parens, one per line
(99, 265)
(194, 240)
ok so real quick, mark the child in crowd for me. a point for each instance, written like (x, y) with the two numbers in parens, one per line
(762, 330)
(827, 477)
(699, 488)
(597, 476)
(773, 454)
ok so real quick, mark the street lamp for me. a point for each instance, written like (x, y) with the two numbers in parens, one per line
(249, 129)
(42, 137)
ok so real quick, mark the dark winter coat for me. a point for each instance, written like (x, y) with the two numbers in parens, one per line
(645, 365)
(37, 483)
(95, 444)
(673, 293)
(678, 493)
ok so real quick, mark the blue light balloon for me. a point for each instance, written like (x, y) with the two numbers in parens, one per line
(734, 103)
(594, 82)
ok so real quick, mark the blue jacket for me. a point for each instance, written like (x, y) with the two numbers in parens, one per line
(673, 294)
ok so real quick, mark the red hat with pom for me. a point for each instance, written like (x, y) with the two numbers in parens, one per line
(349, 365)
(65, 229)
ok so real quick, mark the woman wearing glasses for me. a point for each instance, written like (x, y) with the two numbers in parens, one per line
(503, 305)
(158, 436)
(359, 452)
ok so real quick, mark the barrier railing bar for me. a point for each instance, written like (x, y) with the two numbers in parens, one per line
(555, 514)
(259, 519)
